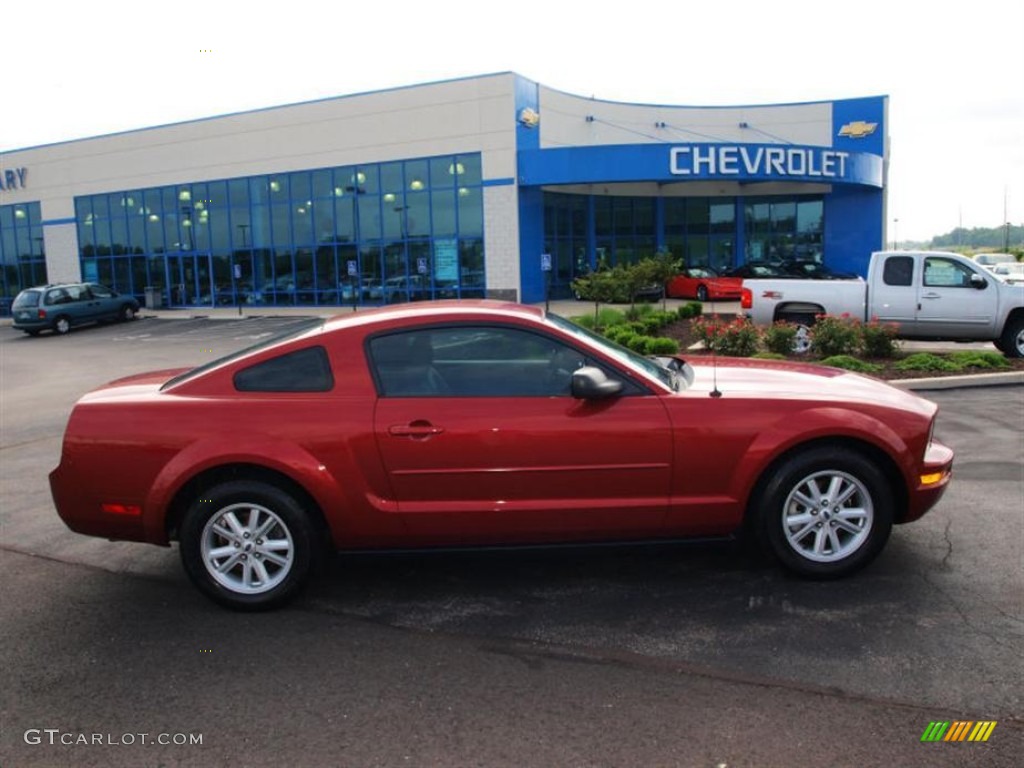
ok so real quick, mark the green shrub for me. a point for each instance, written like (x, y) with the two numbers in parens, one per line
(662, 345)
(851, 364)
(626, 338)
(879, 339)
(583, 321)
(639, 311)
(779, 338)
(925, 361)
(690, 309)
(608, 317)
(977, 359)
(832, 335)
(769, 356)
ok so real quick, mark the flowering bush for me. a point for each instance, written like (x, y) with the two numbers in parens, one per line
(832, 335)
(879, 339)
(738, 338)
(779, 337)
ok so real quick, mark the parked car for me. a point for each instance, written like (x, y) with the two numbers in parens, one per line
(930, 295)
(1010, 273)
(757, 269)
(479, 423)
(61, 306)
(815, 270)
(703, 284)
(990, 260)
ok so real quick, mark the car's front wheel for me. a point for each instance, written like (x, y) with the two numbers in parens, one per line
(248, 545)
(825, 513)
(127, 312)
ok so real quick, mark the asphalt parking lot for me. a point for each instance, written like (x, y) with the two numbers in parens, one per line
(932, 631)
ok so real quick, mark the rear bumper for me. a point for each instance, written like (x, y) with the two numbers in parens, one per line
(83, 513)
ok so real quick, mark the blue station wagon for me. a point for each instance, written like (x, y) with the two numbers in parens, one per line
(62, 306)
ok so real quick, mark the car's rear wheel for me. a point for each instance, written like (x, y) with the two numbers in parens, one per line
(127, 312)
(702, 293)
(62, 325)
(825, 513)
(248, 545)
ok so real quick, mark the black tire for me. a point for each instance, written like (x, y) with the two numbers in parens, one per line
(827, 540)
(62, 325)
(242, 515)
(1012, 341)
(702, 293)
(127, 313)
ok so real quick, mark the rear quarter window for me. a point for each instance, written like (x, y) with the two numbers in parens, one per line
(305, 370)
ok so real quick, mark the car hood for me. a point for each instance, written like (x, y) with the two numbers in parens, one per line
(770, 378)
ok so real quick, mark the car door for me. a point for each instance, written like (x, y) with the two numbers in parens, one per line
(950, 304)
(104, 303)
(483, 442)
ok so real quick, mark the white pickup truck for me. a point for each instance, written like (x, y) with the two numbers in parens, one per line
(930, 295)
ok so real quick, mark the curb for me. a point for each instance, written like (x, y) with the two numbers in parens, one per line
(959, 382)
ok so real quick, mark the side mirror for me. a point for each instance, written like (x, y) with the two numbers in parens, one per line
(977, 281)
(590, 383)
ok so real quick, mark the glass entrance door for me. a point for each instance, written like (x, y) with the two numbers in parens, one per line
(189, 280)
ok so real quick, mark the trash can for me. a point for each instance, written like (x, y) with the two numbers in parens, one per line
(154, 297)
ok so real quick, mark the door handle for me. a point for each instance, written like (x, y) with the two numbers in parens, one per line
(931, 296)
(420, 429)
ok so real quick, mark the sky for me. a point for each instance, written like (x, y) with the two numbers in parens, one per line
(954, 72)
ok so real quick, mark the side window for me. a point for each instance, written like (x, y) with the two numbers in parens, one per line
(77, 293)
(945, 273)
(306, 370)
(472, 361)
(899, 270)
(57, 296)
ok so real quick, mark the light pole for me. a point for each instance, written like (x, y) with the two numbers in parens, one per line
(895, 234)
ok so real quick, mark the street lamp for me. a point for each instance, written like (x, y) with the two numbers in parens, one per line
(895, 234)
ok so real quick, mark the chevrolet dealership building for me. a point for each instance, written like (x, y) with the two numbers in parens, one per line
(464, 188)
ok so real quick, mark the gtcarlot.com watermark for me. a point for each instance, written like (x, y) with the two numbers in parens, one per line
(55, 736)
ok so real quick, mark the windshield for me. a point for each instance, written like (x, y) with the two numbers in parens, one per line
(301, 327)
(620, 353)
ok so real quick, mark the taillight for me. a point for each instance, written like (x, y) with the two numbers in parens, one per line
(133, 510)
(42, 314)
(746, 299)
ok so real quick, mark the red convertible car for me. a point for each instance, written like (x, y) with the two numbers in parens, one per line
(703, 284)
(481, 423)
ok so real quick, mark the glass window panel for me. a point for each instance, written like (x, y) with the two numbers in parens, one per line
(240, 229)
(301, 183)
(238, 192)
(216, 194)
(471, 211)
(366, 180)
(784, 217)
(118, 230)
(323, 220)
(302, 223)
(277, 188)
(323, 183)
(155, 233)
(417, 175)
(369, 217)
(442, 173)
(168, 198)
(137, 228)
(395, 219)
(213, 231)
(391, 178)
(471, 263)
(417, 213)
(622, 213)
(345, 219)
(327, 268)
(603, 216)
(809, 216)
(723, 217)
(698, 216)
(468, 167)
(260, 232)
(443, 212)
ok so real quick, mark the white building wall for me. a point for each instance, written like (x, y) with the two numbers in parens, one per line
(501, 241)
(564, 123)
(471, 115)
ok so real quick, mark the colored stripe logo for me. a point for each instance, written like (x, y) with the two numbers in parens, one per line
(959, 730)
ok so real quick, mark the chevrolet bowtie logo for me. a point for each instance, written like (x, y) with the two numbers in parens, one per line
(858, 129)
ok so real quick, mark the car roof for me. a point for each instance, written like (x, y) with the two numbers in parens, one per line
(450, 309)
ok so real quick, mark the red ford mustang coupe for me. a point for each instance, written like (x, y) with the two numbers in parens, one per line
(703, 284)
(481, 423)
